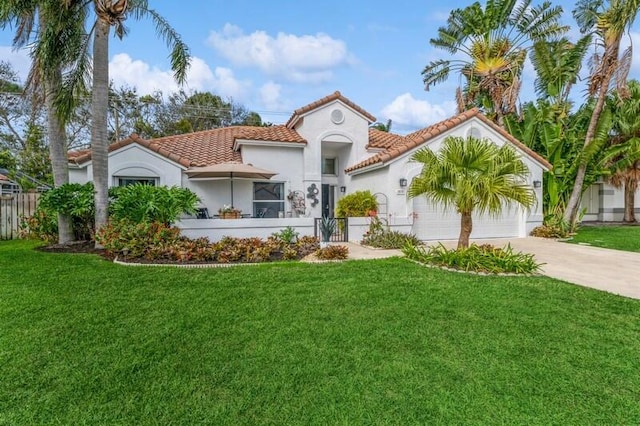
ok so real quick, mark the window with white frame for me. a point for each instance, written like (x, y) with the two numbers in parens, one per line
(130, 180)
(268, 199)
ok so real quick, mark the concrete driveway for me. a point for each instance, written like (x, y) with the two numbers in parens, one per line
(609, 270)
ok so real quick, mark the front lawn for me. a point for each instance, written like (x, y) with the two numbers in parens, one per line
(83, 341)
(616, 237)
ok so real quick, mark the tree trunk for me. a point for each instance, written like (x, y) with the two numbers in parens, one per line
(466, 226)
(99, 111)
(573, 205)
(57, 147)
(630, 187)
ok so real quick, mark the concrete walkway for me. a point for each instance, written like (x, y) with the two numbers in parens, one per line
(614, 271)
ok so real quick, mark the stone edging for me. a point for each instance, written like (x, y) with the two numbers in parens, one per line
(187, 265)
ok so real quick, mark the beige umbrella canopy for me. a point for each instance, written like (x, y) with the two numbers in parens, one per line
(230, 171)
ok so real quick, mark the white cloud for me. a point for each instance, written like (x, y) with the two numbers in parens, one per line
(19, 60)
(147, 79)
(635, 41)
(408, 111)
(125, 70)
(305, 59)
(270, 96)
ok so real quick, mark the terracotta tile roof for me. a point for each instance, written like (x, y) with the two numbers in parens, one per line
(383, 140)
(3, 177)
(323, 101)
(422, 136)
(201, 148)
(279, 133)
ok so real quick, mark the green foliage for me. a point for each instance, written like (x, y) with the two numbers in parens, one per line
(380, 236)
(327, 228)
(357, 204)
(157, 242)
(137, 239)
(33, 159)
(333, 252)
(7, 160)
(146, 203)
(490, 44)
(475, 258)
(72, 199)
(41, 225)
(287, 235)
(554, 226)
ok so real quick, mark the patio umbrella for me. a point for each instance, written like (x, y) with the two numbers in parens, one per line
(230, 171)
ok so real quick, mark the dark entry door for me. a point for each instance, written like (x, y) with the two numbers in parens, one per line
(328, 200)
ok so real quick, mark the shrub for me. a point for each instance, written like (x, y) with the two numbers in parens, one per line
(381, 236)
(146, 240)
(159, 242)
(287, 235)
(42, 225)
(327, 228)
(484, 258)
(333, 253)
(146, 203)
(72, 199)
(307, 245)
(357, 204)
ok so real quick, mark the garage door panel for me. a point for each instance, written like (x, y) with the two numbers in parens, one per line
(433, 222)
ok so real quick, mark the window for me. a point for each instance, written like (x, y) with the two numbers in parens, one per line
(125, 181)
(268, 199)
(329, 166)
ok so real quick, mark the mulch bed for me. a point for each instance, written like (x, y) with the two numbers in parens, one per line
(87, 247)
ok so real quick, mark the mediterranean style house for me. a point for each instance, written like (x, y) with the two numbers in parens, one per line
(286, 175)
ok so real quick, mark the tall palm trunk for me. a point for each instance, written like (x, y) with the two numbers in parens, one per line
(466, 226)
(57, 150)
(630, 187)
(573, 205)
(99, 111)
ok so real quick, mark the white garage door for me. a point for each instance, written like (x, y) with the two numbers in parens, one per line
(435, 223)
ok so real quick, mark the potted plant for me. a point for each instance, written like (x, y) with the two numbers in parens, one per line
(327, 228)
(228, 212)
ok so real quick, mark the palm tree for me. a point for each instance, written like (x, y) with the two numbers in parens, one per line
(607, 21)
(472, 175)
(382, 126)
(113, 13)
(557, 64)
(623, 155)
(55, 35)
(492, 44)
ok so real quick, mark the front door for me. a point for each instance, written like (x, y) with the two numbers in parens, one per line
(328, 200)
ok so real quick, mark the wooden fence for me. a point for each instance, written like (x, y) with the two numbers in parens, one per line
(13, 208)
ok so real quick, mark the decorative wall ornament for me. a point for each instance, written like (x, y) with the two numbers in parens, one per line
(312, 194)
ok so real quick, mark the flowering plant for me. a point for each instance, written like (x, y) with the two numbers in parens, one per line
(227, 208)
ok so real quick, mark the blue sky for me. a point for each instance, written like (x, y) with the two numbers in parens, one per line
(274, 57)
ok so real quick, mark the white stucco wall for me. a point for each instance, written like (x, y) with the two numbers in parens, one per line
(400, 207)
(78, 175)
(605, 203)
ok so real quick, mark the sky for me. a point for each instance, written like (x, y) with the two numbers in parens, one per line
(274, 57)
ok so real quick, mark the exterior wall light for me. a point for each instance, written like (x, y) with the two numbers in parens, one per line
(537, 184)
(403, 182)
(343, 189)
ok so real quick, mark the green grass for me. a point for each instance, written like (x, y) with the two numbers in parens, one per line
(83, 341)
(622, 237)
